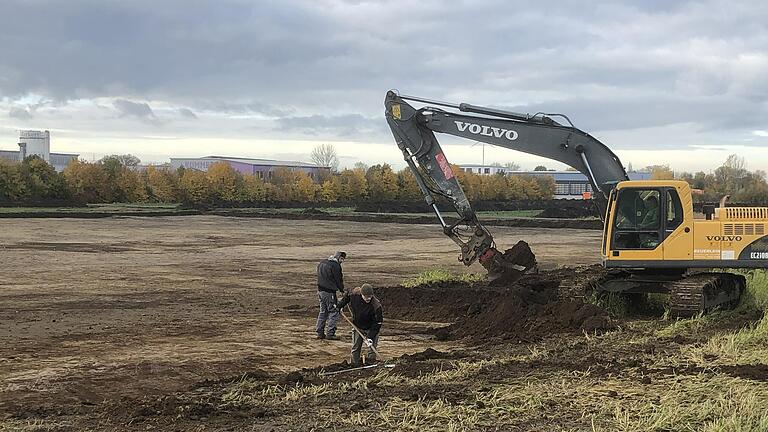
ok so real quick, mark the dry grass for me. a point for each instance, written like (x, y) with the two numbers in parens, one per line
(696, 403)
(441, 275)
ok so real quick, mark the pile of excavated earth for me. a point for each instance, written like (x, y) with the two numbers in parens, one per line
(529, 309)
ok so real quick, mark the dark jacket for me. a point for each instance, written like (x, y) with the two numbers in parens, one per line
(329, 276)
(365, 316)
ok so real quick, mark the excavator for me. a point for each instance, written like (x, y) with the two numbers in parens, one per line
(651, 242)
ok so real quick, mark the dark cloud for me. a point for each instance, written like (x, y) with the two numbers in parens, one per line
(140, 110)
(20, 113)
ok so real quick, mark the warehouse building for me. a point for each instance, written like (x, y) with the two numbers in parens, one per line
(568, 184)
(262, 168)
(34, 142)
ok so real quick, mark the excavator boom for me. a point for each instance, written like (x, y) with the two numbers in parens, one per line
(538, 134)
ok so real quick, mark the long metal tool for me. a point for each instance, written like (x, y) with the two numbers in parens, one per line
(388, 366)
(365, 338)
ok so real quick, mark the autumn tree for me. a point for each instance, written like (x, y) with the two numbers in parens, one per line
(469, 182)
(493, 187)
(41, 180)
(253, 189)
(162, 184)
(382, 183)
(12, 187)
(754, 190)
(124, 160)
(331, 189)
(195, 188)
(546, 186)
(131, 186)
(407, 188)
(354, 185)
(225, 182)
(285, 182)
(660, 172)
(88, 182)
(122, 183)
(515, 188)
(306, 188)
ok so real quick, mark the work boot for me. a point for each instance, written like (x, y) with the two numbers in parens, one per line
(320, 336)
(332, 337)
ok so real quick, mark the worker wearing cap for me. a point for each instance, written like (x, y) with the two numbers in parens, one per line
(367, 317)
(330, 279)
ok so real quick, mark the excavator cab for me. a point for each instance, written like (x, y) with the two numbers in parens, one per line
(651, 234)
(647, 225)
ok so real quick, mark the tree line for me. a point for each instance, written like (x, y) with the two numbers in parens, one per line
(118, 178)
(731, 178)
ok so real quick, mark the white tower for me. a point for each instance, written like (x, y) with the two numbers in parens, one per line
(33, 142)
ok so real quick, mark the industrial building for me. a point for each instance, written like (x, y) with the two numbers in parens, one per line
(34, 142)
(263, 168)
(568, 184)
(484, 169)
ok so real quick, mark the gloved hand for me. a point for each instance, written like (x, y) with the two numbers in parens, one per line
(368, 343)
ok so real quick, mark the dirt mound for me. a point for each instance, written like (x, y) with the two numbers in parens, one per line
(427, 354)
(437, 302)
(527, 310)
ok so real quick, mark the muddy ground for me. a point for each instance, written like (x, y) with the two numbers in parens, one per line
(206, 323)
(97, 310)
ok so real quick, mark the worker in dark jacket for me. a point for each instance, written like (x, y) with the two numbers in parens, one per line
(367, 316)
(329, 280)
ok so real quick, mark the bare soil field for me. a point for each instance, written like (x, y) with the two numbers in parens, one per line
(207, 323)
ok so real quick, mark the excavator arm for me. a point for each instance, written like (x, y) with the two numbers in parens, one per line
(539, 134)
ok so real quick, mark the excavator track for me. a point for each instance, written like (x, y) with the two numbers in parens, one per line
(702, 292)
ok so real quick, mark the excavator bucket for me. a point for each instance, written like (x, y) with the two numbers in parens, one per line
(505, 268)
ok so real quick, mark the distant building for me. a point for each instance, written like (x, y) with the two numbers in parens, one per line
(568, 184)
(484, 169)
(263, 168)
(34, 142)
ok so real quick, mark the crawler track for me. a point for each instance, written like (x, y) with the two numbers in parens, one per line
(704, 291)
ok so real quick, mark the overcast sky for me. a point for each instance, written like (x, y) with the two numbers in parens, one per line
(659, 82)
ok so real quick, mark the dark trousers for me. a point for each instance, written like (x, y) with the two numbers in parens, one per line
(357, 346)
(328, 314)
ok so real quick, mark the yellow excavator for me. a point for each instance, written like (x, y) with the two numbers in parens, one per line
(651, 240)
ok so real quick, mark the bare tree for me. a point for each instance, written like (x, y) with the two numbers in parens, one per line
(512, 166)
(126, 160)
(324, 155)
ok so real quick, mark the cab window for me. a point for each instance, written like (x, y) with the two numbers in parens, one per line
(674, 211)
(638, 219)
